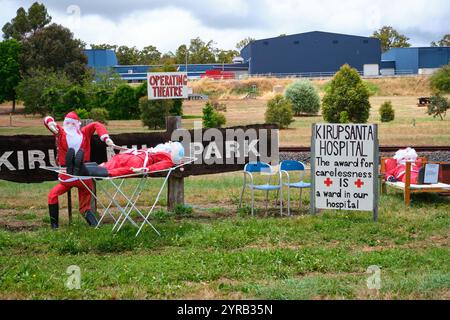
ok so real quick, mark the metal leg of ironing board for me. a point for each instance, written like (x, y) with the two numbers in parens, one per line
(153, 206)
(137, 190)
(131, 202)
(121, 209)
(98, 201)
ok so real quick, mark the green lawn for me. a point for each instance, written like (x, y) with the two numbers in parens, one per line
(220, 252)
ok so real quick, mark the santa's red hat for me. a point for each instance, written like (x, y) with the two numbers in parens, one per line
(72, 115)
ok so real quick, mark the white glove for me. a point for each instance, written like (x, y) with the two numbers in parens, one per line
(53, 128)
(138, 170)
(109, 142)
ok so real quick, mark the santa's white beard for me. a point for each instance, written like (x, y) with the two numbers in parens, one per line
(73, 137)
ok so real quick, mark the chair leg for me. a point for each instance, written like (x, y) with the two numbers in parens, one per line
(281, 202)
(253, 200)
(289, 201)
(242, 194)
(300, 201)
(267, 200)
(407, 195)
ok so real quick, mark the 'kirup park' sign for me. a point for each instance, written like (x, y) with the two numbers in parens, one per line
(344, 167)
(167, 85)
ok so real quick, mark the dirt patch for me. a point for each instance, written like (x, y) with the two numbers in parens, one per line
(434, 241)
(17, 226)
(8, 212)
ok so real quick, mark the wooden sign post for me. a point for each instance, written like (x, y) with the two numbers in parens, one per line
(344, 167)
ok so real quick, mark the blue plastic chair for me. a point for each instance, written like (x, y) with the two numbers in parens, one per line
(293, 166)
(262, 169)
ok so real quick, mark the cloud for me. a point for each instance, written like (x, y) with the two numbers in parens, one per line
(213, 13)
(167, 24)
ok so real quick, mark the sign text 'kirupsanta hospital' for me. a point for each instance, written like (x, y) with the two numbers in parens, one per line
(167, 85)
(344, 166)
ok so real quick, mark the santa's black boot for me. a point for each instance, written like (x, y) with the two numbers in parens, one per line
(92, 169)
(90, 218)
(78, 162)
(53, 210)
(70, 157)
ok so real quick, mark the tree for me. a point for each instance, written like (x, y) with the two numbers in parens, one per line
(279, 111)
(180, 54)
(41, 90)
(54, 47)
(212, 118)
(123, 104)
(440, 80)
(154, 112)
(9, 70)
(100, 115)
(38, 17)
(25, 22)
(103, 46)
(304, 97)
(149, 55)
(168, 58)
(444, 42)
(226, 56)
(127, 56)
(438, 106)
(391, 38)
(201, 52)
(241, 44)
(387, 113)
(75, 98)
(346, 93)
(100, 91)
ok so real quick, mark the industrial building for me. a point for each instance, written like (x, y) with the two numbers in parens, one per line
(312, 53)
(102, 60)
(417, 60)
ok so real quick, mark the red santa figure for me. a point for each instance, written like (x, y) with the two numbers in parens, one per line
(73, 147)
(396, 167)
(161, 157)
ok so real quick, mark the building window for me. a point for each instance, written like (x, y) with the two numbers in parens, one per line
(266, 43)
(366, 41)
(296, 42)
(335, 42)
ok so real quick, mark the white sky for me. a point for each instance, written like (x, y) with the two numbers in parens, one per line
(168, 24)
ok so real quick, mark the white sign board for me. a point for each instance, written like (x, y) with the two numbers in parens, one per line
(167, 85)
(431, 173)
(344, 164)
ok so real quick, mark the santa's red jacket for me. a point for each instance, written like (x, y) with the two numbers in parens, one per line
(87, 132)
(122, 163)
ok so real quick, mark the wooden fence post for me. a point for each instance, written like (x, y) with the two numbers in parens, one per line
(175, 189)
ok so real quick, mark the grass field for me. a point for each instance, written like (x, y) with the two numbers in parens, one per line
(412, 126)
(217, 251)
(214, 250)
